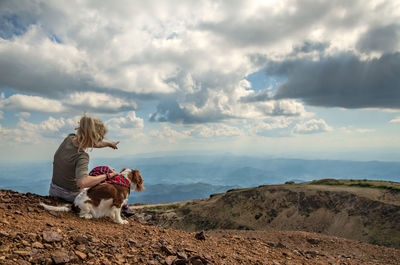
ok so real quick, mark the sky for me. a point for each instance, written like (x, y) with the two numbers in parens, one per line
(285, 78)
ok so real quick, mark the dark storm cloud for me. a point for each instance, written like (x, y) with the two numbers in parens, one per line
(310, 46)
(341, 81)
(381, 39)
(257, 97)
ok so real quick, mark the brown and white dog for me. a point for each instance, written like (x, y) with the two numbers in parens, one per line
(104, 199)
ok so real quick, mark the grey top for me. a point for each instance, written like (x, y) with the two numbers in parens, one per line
(69, 165)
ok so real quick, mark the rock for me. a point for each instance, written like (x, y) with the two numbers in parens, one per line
(181, 262)
(190, 250)
(21, 252)
(51, 236)
(80, 240)
(22, 262)
(81, 247)
(37, 245)
(32, 236)
(280, 245)
(168, 250)
(200, 236)
(169, 260)
(53, 213)
(33, 252)
(313, 241)
(4, 234)
(4, 221)
(312, 252)
(60, 257)
(197, 260)
(81, 255)
(181, 255)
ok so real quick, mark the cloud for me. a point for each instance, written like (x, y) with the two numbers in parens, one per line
(341, 81)
(74, 103)
(98, 102)
(273, 127)
(311, 126)
(1, 114)
(310, 46)
(24, 115)
(35, 133)
(349, 130)
(169, 134)
(190, 58)
(20, 102)
(215, 130)
(16, 136)
(273, 22)
(130, 121)
(51, 127)
(395, 120)
(384, 39)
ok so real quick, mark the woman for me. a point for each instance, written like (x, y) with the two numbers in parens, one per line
(70, 165)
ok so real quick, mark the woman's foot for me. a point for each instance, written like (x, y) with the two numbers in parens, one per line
(125, 210)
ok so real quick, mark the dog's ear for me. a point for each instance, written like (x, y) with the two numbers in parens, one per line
(137, 180)
(122, 170)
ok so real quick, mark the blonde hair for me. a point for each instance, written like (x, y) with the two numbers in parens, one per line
(90, 132)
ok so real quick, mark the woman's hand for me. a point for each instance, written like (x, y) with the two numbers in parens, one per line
(113, 145)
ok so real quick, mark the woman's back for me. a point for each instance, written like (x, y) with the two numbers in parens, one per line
(69, 165)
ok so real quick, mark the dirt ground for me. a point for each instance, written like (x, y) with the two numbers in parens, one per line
(31, 235)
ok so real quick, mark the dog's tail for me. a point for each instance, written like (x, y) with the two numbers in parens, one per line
(63, 208)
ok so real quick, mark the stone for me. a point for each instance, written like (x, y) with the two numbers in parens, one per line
(280, 245)
(51, 236)
(168, 250)
(182, 262)
(33, 252)
(37, 245)
(181, 255)
(81, 255)
(22, 262)
(4, 234)
(196, 261)
(21, 252)
(313, 241)
(4, 221)
(81, 247)
(312, 252)
(60, 257)
(81, 240)
(169, 260)
(200, 236)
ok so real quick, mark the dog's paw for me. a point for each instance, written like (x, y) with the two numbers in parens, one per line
(122, 222)
(86, 216)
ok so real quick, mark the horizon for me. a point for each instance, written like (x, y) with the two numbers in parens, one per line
(296, 79)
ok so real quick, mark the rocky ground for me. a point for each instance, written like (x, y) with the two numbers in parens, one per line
(31, 235)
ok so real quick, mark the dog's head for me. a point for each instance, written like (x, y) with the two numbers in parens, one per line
(135, 178)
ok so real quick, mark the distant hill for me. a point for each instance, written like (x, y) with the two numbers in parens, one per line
(182, 173)
(363, 210)
(160, 193)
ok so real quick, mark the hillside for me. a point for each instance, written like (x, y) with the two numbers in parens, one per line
(367, 211)
(31, 235)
